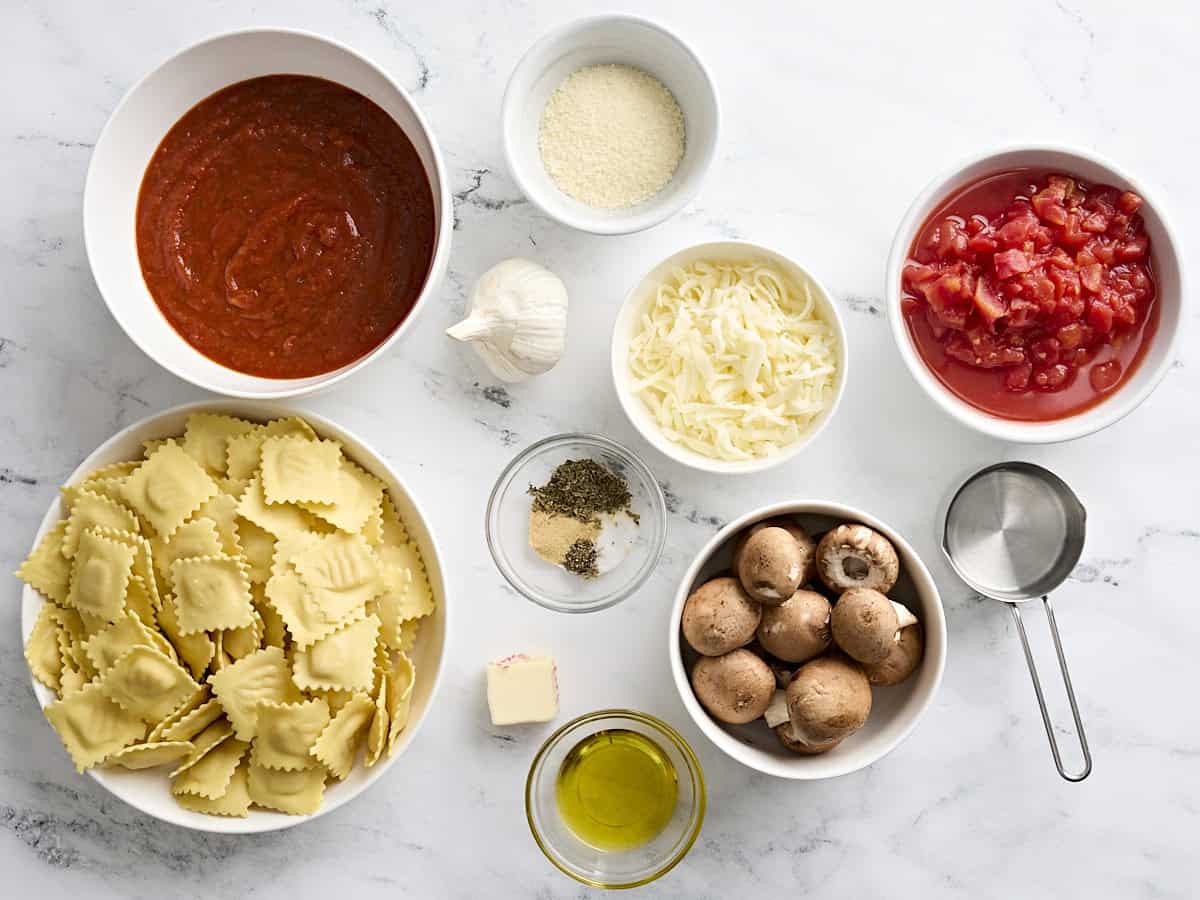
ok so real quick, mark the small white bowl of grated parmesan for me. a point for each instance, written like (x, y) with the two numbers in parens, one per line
(729, 357)
(610, 124)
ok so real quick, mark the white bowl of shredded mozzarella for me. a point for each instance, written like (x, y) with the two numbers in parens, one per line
(729, 357)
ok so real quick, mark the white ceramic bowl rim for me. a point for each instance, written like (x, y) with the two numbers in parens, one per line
(259, 821)
(634, 408)
(439, 187)
(811, 768)
(640, 217)
(1128, 398)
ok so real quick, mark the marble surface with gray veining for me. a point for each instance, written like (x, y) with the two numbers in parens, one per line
(834, 116)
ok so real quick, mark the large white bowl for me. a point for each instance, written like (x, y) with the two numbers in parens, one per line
(895, 710)
(149, 791)
(1166, 261)
(133, 133)
(628, 323)
(620, 39)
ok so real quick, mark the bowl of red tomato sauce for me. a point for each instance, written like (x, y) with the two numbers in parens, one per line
(266, 213)
(1036, 293)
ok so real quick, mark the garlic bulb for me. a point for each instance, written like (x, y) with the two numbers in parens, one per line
(518, 320)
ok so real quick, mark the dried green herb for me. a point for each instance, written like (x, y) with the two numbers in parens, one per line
(582, 488)
(580, 559)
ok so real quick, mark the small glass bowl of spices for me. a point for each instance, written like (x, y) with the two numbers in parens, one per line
(576, 522)
(610, 124)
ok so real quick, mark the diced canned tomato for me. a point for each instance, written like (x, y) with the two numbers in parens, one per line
(1032, 278)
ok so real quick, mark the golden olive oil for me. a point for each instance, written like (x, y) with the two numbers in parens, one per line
(616, 790)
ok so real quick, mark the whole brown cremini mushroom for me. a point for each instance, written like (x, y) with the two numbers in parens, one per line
(787, 737)
(798, 629)
(856, 556)
(864, 624)
(719, 617)
(829, 698)
(902, 659)
(735, 688)
(770, 565)
(808, 547)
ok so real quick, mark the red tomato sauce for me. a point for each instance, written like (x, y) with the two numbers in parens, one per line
(285, 226)
(1030, 294)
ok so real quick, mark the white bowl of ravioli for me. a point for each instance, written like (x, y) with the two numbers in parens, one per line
(729, 357)
(364, 617)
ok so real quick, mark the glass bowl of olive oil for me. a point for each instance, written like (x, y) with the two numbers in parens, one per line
(615, 799)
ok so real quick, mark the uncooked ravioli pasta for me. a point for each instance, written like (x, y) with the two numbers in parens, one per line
(238, 605)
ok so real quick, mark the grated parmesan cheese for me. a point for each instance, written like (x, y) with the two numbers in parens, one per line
(733, 360)
(611, 136)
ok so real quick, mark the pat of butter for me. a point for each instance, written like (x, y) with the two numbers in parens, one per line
(522, 689)
(777, 712)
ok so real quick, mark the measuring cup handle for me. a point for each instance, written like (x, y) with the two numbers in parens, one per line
(1037, 688)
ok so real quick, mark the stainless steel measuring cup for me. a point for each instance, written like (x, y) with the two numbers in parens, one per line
(1013, 532)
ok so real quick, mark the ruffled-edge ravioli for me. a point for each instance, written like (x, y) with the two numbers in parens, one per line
(205, 742)
(43, 650)
(194, 721)
(408, 634)
(46, 569)
(141, 603)
(240, 687)
(258, 549)
(242, 451)
(359, 497)
(122, 469)
(167, 488)
(343, 660)
(274, 629)
(71, 681)
(147, 684)
(196, 650)
(143, 558)
(298, 470)
(91, 510)
(234, 802)
(209, 777)
(238, 642)
(297, 793)
(287, 732)
(206, 435)
(150, 755)
(406, 595)
(342, 573)
(339, 742)
(222, 510)
(378, 732)
(195, 538)
(100, 575)
(399, 699)
(297, 608)
(391, 525)
(211, 593)
(202, 696)
(117, 638)
(280, 519)
(92, 726)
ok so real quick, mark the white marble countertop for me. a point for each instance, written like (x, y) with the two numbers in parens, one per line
(835, 115)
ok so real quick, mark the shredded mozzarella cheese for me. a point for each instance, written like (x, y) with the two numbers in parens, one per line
(733, 360)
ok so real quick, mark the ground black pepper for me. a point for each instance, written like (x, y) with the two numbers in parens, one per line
(580, 559)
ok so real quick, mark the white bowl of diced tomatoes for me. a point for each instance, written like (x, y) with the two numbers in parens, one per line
(1036, 293)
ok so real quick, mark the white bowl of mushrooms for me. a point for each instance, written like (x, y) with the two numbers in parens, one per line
(807, 639)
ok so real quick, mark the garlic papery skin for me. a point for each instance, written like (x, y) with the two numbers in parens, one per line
(518, 319)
